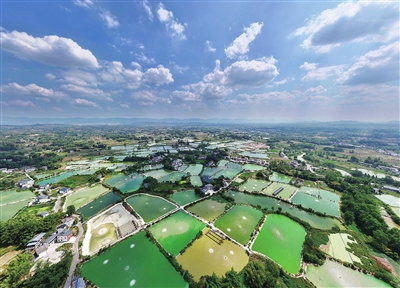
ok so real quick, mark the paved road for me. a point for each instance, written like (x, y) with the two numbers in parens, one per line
(75, 259)
(57, 205)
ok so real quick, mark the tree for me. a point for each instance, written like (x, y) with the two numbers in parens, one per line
(71, 210)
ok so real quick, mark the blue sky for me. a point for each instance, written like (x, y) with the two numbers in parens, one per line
(277, 61)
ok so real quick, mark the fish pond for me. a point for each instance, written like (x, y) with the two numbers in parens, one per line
(97, 205)
(389, 199)
(134, 262)
(269, 203)
(185, 197)
(227, 173)
(254, 185)
(194, 169)
(277, 177)
(254, 154)
(209, 171)
(149, 207)
(83, 196)
(281, 239)
(320, 193)
(173, 177)
(125, 183)
(176, 231)
(209, 255)
(59, 177)
(239, 222)
(157, 173)
(317, 204)
(285, 193)
(209, 209)
(332, 274)
(253, 167)
(196, 181)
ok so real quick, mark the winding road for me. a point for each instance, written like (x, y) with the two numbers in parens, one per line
(75, 259)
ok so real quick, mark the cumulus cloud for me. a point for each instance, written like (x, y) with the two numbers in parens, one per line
(78, 77)
(209, 47)
(220, 83)
(184, 96)
(322, 73)
(124, 105)
(315, 90)
(115, 72)
(376, 66)
(90, 92)
(362, 21)
(136, 65)
(50, 50)
(158, 76)
(84, 102)
(31, 89)
(108, 18)
(147, 8)
(173, 26)
(240, 45)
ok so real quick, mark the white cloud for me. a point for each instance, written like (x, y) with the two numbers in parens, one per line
(281, 82)
(184, 96)
(315, 90)
(78, 77)
(50, 50)
(110, 19)
(322, 73)
(136, 65)
(376, 21)
(84, 3)
(50, 76)
(144, 58)
(145, 98)
(114, 72)
(31, 89)
(90, 92)
(147, 8)
(364, 93)
(158, 76)
(84, 102)
(124, 105)
(240, 45)
(173, 26)
(220, 83)
(376, 66)
(21, 103)
(209, 47)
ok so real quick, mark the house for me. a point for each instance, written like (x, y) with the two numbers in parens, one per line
(43, 214)
(207, 179)
(68, 220)
(44, 187)
(208, 189)
(99, 177)
(78, 282)
(26, 183)
(41, 199)
(35, 241)
(294, 164)
(28, 169)
(389, 188)
(64, 190)
(64, 236)
(51, 239)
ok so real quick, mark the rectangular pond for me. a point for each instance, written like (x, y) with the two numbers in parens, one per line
(196, 181)
(132, 262)
(149, 207)
(321, 193)
(324, 223)
(59, 177)
(254, 185)
(319, 205)
(194, 169)
(239, 222)
(227, 173)
(84, 195)
(253, 167)
(208, 255)
(281, 239)
(173, 177)
(285, 193)
(185, 197)
(254, 154)
(332, 274)
(209, 209)
(97, 205)
(176, 231)
(277, 177)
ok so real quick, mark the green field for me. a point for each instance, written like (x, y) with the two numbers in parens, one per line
(9, 210)
(196, 181)
(173, 177)
(132, 262)
(102, 236)
(338, 247)
(254, 185)
(10, 196)
(83, 196)
(319, 205)
(206, 256)
(253, 167)
(176, 231)
(276, 177)
(239, 223)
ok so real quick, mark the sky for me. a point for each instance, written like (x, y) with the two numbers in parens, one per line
(269, 60)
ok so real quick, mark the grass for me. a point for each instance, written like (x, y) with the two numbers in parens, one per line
(96, 240)
(36, 209)
(74, 181)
